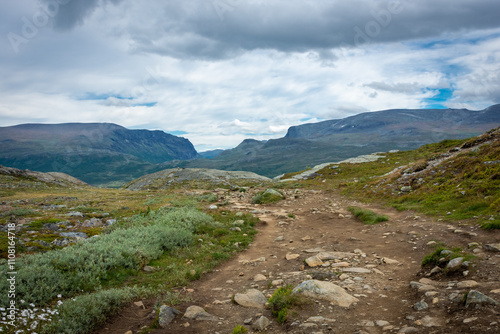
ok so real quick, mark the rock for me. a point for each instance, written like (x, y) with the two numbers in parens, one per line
(110, 222)
(148, 269)
(408, 330)
(280, 238)
(197, 313)
(326, 291)
(476, 297)
(261, 323)
(212, 207)
(277, 282)
(313, 250)
(366, 323)
(93, 222)
(431, 322)
(308, 325)
(319, 319)
(75, 214)
(166, 315)
(290, 256)
(74, 235)
(324, 256)
(382, 323)
(496, 291)
(235, 229)
(252, 298)
(467, 284)
(389, 261)
(421, 305)
(50, 226)
(454, 264)
(313, 261)
(492, 247)
(405, 189)
(356, 270)
(61, 242)
(239, 222)
(468, 320)
(259, 278)
(274, 192)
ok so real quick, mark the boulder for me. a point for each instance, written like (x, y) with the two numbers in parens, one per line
(166, 315)
(198, 313)
(476, 297)
(326, 291)
(252, 298)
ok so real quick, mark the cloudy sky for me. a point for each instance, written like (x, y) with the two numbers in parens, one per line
(219, 71)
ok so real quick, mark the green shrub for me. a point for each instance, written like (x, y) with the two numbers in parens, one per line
(70, 270)
(367, 216)
(433, 259)
(18, 213)
(83, 314)
(208, 197)
(493, 225)
(239, 330)
(282, 301)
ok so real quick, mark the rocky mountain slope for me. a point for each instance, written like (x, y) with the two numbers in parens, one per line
(164, 179)
(336, 140)
(96, 152)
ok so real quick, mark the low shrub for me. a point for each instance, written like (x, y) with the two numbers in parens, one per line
(282, 301)
(268, 196)
(367, 216)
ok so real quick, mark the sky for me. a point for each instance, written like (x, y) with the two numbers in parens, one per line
(219, 71)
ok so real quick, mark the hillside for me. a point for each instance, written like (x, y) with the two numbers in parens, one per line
(98, 153)
(335, 140)
(200, 257)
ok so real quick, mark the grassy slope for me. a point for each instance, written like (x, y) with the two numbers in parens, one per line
(464, 187)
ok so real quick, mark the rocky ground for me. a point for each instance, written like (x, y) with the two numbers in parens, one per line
(359, 278)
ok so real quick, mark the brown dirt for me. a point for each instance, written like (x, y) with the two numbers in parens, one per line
(382, 296)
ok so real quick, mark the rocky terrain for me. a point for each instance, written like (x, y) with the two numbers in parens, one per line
(357, 278)
(169, 177)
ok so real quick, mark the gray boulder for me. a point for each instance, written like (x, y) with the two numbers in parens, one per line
(166, 315)
(198, 313)
(252, 298)
(478, 298)
(326, 291)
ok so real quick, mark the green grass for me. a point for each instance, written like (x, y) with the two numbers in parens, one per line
(494, 225)
(283, 302)
(368, 217)
(239, 330)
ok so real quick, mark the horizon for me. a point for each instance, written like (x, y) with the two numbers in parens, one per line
(218, 72)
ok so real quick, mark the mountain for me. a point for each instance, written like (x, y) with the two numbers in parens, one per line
(211, 154)
(335, 140)
(97, 153)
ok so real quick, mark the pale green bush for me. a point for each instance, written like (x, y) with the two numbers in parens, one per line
(81, 267)
(83, 313)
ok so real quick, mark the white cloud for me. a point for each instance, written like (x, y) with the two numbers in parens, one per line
(264, 67)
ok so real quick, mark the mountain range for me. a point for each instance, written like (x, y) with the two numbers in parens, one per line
(108, 154)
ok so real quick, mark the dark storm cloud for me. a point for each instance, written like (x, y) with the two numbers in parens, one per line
(224, 28)
(73, 12)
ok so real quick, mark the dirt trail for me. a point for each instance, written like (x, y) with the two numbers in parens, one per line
(322, 221)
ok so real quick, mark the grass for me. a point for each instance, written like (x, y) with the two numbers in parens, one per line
(368, 217)
(239, 329)
(433, 259)
(282, 303)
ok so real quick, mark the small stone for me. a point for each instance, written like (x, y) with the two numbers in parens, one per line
(212, 207)
(389, 261)
(467, 284)
(308, 325)
(277, 282)
(455, 264)
(466, 321)
(252, 298)
(261, 323)
(197, 313)
(166, 315)
(313, 261)
(366, 323)
(408, 330)
(148, 269)
(381, 323)
(140, 304)
(421, 305)
(431, 322)
(290, 256)
(259, 278)
(492, 247)
(476, 297)
(306, 238)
